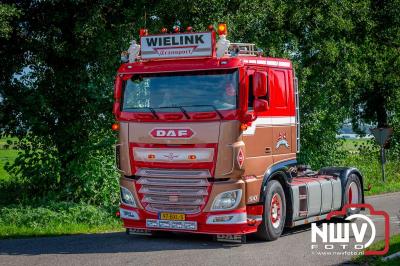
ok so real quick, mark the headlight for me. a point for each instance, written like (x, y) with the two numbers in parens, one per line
(127, 197)
(227, 200)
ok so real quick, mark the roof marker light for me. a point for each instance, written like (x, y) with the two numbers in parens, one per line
(176, 29)
(143, 32)
(222, 29)
(164, 30)
(189, 29)
(210, 27)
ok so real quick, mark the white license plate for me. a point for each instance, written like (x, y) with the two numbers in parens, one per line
(168, 224)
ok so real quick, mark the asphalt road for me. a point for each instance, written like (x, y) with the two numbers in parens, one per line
(293, 248)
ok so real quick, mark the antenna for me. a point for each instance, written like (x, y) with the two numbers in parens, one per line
(145, 17)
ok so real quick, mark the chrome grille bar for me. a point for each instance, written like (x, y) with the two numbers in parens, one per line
(173, 200)
(173, 173)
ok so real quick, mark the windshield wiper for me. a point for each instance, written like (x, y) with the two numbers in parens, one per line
(213, 106)
(184, 112)
(179, 107)
(151, 110)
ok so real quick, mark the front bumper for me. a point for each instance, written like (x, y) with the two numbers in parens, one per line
(241, 222)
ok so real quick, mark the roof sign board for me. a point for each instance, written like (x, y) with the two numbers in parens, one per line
(382, 135)
(197, 44)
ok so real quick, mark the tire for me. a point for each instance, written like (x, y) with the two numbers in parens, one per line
(273, 220)
(352, 193)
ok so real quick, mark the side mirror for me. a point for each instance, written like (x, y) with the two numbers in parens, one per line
(260, 105)
(259, 84)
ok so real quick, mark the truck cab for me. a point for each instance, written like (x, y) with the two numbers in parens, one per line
(208, 137)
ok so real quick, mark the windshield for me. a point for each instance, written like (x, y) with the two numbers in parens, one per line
(195, 91)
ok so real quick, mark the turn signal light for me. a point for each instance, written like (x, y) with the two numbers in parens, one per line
(192, 157)
(222, 29)
(243, 127)
(115, 127)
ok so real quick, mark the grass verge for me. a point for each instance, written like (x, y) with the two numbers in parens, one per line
(364, 155)
(7, 155)
(55, 219)
(394, 247)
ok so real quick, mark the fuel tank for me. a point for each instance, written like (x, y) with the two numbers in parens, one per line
(315, 195)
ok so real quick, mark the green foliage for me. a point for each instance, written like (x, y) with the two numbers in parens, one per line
(55, 219)
(7, 14)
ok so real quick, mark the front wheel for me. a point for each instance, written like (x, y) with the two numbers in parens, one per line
(274, 214)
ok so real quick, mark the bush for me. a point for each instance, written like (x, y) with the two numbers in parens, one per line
(90, 176)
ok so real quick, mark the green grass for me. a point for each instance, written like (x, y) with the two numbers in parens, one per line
(365, 157)
(55, 219)
(394, 247)
(352, 144)
(6, 155)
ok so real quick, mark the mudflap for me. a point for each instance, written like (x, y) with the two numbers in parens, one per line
(140, 232)
(237, 239)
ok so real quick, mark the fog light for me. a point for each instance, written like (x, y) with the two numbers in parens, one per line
(233, 218)
(128, 214)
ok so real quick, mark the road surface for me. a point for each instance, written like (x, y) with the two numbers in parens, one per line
(293, 248)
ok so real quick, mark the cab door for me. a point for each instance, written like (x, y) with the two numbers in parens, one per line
(257, 137)
(281, 113)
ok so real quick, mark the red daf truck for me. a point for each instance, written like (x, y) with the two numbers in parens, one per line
(208, 137)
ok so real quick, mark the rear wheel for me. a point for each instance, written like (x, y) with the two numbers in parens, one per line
(353, 193)
(274, 212)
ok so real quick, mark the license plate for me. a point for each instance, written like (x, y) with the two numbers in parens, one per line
(172, 216)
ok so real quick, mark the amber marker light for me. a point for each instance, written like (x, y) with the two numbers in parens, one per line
(151, 156)
(192, 157)
(115, 127)
(222, 29)
(243, 127)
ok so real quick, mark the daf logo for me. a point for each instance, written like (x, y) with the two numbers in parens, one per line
(173, 198)
(171, 133)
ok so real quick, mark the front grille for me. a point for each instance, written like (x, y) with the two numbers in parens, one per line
(182, 193)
